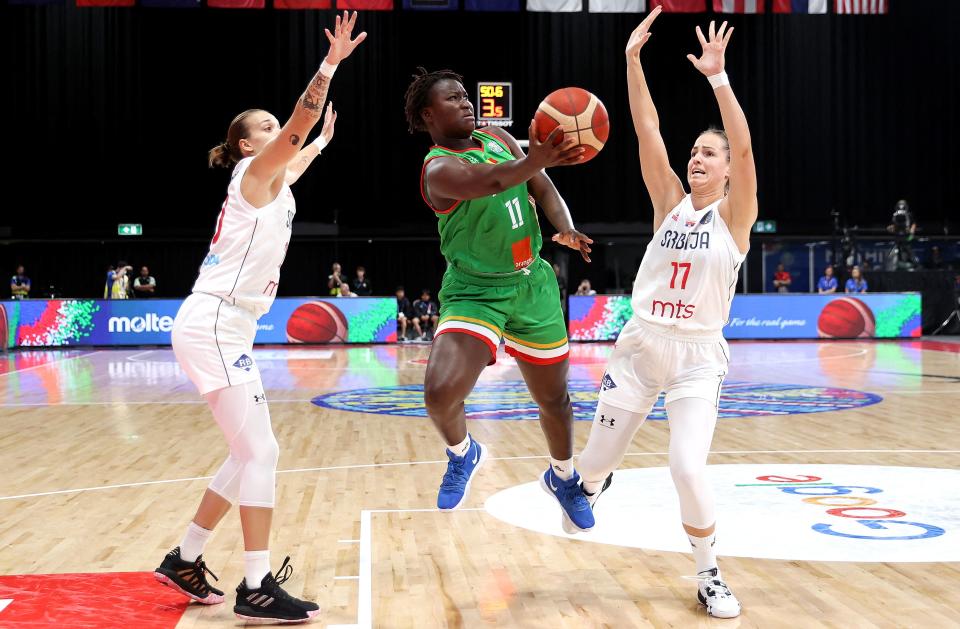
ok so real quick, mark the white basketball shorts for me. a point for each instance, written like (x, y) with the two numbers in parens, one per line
(213, 342)
(649, 359)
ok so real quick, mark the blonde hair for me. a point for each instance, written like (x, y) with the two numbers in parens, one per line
(227, 153)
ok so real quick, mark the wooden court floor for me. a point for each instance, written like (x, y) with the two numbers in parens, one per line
(105, 453)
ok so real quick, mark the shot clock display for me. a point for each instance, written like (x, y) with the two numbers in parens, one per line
(494, 103)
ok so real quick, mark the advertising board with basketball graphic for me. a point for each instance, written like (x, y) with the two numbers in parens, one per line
(72, 322)
(877, 315)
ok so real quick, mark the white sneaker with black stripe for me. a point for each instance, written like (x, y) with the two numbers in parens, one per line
(270, 603)
(716, 596)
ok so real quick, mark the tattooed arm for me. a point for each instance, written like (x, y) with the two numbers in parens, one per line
(311, 151)
(269, 167)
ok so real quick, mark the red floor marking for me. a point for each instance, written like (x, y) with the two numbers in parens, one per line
(935, 346)
(89, 601)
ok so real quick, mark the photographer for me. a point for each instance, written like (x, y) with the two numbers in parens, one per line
(904, 229)
(19, 284)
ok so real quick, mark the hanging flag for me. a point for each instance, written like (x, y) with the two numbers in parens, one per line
(491, 5)
(618, 6)
(799, 6)
(861, 6)
(738, 6)
(105, 3)
(366, 5)
(680, 6)
(170, 4)
(432, 5)
(554, 6)
(300, 4)
(235, 4)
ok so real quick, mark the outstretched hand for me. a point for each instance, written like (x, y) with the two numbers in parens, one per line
(711, 60)
(575, 240)
(546, 154)
(341, 44)
(641, 34)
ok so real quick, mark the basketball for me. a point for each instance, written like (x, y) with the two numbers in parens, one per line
(846, 318)
(580, 113)
(317, 322)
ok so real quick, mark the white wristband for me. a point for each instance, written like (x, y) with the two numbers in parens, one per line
(719, 80)
(327, 69)
(320, 142)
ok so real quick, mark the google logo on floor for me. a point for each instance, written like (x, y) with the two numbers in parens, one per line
(859, 519)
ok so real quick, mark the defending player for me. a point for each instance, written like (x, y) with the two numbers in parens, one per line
(214, 331)
(681, 300)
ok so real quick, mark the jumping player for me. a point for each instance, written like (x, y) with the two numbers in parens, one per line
(681, 300)
(214, 331)
(480, 184)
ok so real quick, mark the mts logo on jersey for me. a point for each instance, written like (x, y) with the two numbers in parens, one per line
(668, 310)
(244, 362)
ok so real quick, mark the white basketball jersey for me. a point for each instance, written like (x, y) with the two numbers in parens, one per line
(689, 273)
(248, 248)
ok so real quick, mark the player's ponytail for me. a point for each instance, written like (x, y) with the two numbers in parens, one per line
(227, 153)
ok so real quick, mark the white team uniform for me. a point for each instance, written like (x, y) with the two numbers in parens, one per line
(681, 300)
(215, 327)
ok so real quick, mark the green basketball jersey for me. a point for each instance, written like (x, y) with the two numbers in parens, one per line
(494, 234)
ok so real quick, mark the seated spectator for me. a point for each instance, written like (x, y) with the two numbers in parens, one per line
(361, 285)
(405, 316)
(144, 285)
(827, 283)
(336, 279)
(19, 284)
(856, 283)
(345, 291)
(428, 314)
(782, 280)
(585, 288)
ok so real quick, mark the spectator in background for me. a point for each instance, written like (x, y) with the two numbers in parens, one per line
(936, 258)
(781, 279)
(585, 288)
(345, 291)
(108, 284)
(336, 279)
(827, 283)
(144, 285)
(405, 315)
(361, 285)
(427, 312)
(856, 283)
(19, 284)
(119, 281)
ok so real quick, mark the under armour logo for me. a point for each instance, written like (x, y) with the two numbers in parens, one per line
(607, 421)
(607, 383)
(259, 398)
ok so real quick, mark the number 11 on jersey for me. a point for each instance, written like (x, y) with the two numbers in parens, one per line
(516, 216)
(676, 269)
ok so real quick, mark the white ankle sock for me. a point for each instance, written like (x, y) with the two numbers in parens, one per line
(563, 469)
(461, 448)
(704, 551)
(194, 539)
(256, 566)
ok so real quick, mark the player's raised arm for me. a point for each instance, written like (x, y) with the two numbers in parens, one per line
(273, 159)
(304, 158)
(662, 183)
(741, 199)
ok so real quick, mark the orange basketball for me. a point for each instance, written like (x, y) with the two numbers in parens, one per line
(317, 322)
(846, 318)
(580, 113)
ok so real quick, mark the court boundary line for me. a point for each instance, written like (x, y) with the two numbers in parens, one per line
(51, 363)
(333, 468)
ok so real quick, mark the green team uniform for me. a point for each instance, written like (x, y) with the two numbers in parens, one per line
(496, 285)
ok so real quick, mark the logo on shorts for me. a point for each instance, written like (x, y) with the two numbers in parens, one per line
(607, 383)
(211, 260)
(607, 422)
(259, 398)
(244, 362)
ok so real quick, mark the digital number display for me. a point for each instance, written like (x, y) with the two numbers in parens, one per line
(495, 103)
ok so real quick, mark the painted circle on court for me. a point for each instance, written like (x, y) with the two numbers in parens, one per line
(511, 400)
(861, 513)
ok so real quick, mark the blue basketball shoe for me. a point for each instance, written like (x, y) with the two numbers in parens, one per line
(460, 472)
(577, 514)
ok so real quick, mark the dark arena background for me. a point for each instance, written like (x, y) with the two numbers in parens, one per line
(835, 458)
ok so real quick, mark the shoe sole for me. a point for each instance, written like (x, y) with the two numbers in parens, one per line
(568, 525)
(703, 601)
(259, 620)
(211, 599)
(466, 490)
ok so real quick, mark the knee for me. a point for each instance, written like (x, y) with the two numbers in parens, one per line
(686, 475)
(257, 451)
(439, 396)
(554, 404)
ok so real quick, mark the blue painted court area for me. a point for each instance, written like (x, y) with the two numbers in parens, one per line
(510, 400)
